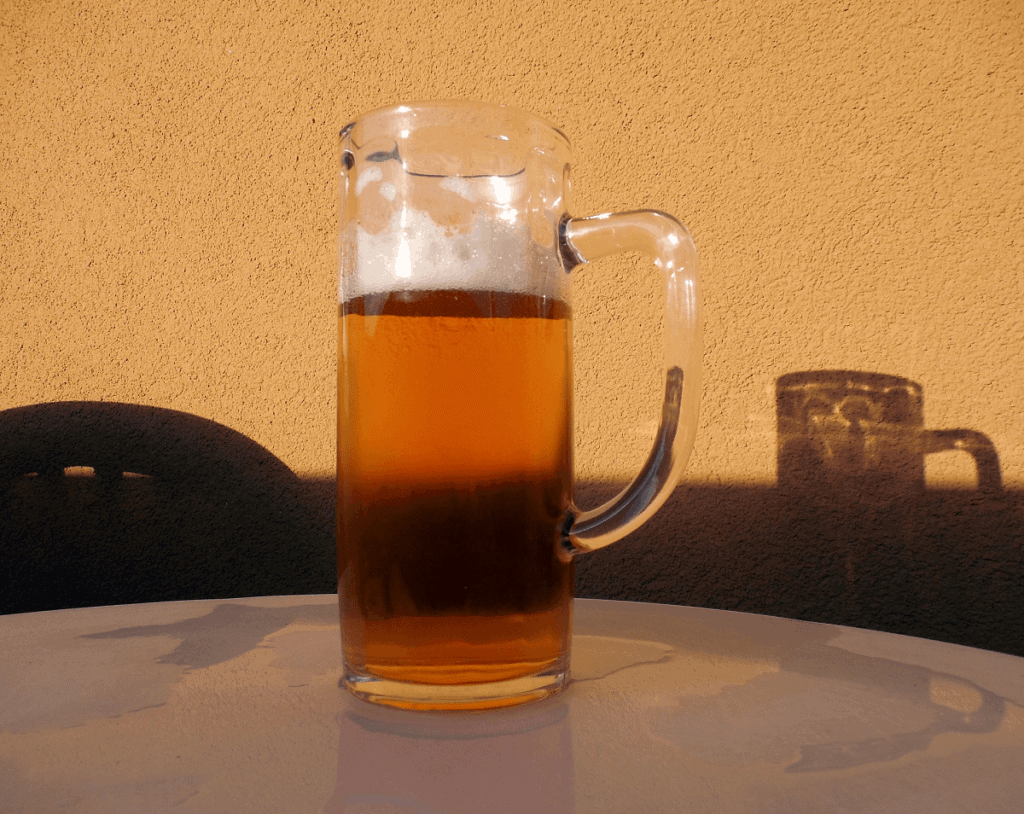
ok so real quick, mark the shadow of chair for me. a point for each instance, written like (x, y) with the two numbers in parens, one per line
(107, 503)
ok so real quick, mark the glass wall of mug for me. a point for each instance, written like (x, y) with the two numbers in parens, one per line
(455, 515)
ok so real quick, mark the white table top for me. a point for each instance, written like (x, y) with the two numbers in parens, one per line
(233, 706)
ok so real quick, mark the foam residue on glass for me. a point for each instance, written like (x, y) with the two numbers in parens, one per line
(470, 233)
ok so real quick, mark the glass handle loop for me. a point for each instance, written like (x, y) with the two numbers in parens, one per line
(668, 243)
(977, 445)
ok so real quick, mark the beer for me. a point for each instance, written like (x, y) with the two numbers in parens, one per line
(454, 469)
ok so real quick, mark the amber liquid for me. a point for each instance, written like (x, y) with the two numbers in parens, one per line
(453, 485)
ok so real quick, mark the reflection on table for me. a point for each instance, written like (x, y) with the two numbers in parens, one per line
(234, 706)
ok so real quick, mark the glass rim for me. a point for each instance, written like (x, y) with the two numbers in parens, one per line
(452, 105)
(845, 379)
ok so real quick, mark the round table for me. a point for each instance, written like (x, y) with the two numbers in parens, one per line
(233, 706)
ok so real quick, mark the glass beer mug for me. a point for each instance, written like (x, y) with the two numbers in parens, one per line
(456, 526)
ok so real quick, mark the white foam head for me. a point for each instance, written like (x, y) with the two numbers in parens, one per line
(413, 232)
(415, 254)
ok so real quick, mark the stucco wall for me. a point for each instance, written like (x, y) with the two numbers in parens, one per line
(853, 175)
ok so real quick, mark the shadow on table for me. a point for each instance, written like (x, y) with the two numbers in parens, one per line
(104, 503)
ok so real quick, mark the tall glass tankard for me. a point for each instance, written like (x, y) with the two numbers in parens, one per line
(456, 526)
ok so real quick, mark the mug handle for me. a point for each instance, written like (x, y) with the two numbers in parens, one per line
(668, 243)
(977, 445)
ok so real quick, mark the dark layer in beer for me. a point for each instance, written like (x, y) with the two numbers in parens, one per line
(484, 550)
(444, 303)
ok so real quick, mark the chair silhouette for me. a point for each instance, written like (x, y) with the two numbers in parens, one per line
(107, 503)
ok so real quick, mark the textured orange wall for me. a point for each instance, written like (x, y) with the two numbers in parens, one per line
(853, 175)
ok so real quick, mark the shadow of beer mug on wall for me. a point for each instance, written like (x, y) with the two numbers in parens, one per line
(851, 468)
(863, 435)
(397, 762)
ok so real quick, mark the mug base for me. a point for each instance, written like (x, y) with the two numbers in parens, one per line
(429, 697)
